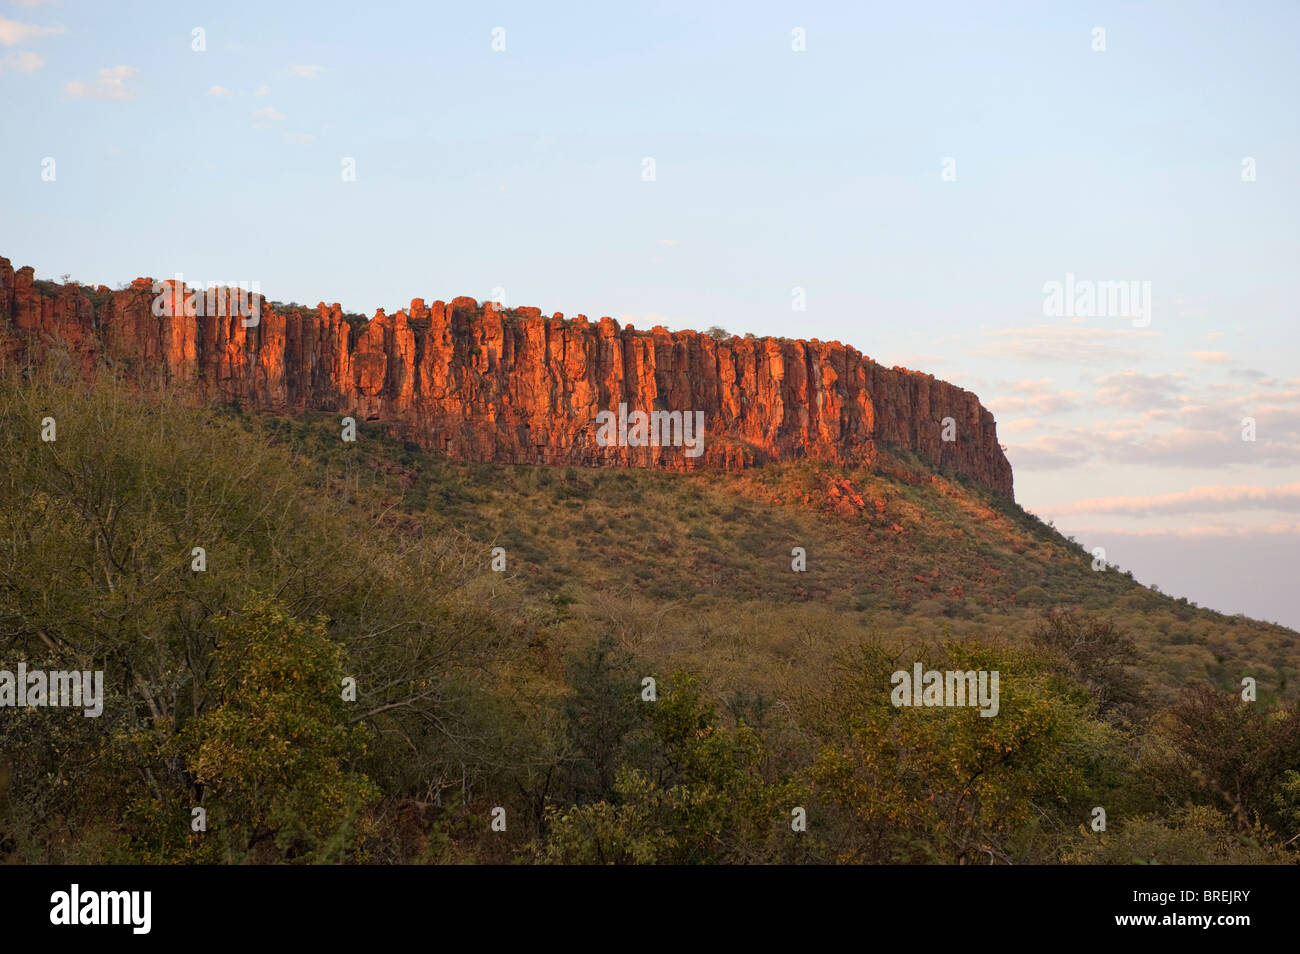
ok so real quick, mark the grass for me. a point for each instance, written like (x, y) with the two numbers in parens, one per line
(690, 567)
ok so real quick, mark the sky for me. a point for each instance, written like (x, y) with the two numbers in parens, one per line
(918, 175)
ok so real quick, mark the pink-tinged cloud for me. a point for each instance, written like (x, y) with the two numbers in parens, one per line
(1020, 424)
(1196, 532)
(13, 32)
(1209, 357)
(112, 82)
(1213, 499)
(1030, 396)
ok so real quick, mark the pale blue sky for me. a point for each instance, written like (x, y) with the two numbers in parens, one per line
(522, 170)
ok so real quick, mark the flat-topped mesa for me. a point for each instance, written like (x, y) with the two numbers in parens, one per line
(487, 383)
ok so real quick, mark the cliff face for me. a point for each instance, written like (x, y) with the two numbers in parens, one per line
(510, 385)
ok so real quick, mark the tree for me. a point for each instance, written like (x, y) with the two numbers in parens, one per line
(98, 572)
(912, 784)
(1193, 835)
(599, 716)
(270, 757)
(1236, 756)
(1096, 653)
(704, 798)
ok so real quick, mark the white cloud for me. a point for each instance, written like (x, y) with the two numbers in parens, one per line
(1202, 436)
(12, 32)
(1132, 389)
(218, 91)
(1067, 344)
(110, 83)
(21, 61)
(1175, 419)
(263, 91)
(308, 72)
(1050, 452)
(1250, 373)
(267, 114)
(299, 139)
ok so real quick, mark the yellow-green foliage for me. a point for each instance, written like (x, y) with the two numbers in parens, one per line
(948, 784)
(522, 689)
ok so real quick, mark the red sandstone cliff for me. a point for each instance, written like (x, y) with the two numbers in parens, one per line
(510, 385)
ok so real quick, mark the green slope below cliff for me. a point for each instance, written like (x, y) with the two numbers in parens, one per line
(342, 675)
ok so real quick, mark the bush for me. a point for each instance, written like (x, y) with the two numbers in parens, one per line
(1032, 596)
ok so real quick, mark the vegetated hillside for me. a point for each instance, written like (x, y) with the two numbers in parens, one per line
(525, 690)
(691, 565)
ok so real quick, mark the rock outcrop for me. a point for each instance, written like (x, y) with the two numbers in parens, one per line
(487, 383)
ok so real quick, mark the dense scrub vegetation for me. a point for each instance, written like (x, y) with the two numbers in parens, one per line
(328, 563)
